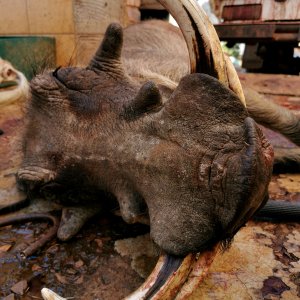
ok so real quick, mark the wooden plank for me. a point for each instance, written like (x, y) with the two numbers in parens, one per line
(288, 85)
(50, 16)
(93, 16)
(86, 46)
(133, 15)
(271, 10)
(136, 3)
(151, 4)
(281, 10)
(14, 18)
(65, 49)
(239, 2)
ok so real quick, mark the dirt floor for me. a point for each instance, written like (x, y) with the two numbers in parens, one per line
(87, 267)
(262, 263)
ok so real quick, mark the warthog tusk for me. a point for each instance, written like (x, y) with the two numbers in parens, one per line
(177, 284)
(172, 278)
(198, 273)
(205, 51)
(166, 278)
(50, 295)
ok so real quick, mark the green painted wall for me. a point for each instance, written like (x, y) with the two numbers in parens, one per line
(28, 54)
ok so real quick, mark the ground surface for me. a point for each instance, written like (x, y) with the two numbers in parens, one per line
(262, 263)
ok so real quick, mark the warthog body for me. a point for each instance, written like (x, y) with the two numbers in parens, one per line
(187, 159)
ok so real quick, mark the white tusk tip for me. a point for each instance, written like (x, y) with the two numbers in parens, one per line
(50, 295)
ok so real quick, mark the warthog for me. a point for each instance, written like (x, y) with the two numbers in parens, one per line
(191, 155)
(178, 151)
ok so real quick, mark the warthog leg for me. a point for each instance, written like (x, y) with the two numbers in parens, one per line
(286, 160)
(279, 211)
(273, 116)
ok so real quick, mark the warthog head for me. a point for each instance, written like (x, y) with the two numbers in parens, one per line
(191, 161)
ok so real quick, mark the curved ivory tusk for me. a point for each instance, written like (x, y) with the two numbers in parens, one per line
(198, 273)
(206, 55)
(50, 295)
(166, 280)
(179, 284)
(234, 81)
(164, 285)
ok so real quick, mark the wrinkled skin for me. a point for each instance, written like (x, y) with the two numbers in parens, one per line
(191, 162)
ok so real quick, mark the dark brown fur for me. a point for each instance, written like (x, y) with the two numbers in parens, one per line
(273, 116)
(191, 154)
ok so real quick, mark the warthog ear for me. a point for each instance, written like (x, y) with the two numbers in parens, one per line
(107, 57)
(147, 99)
